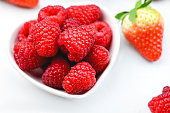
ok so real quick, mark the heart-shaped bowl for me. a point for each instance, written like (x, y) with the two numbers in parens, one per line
(114, 49)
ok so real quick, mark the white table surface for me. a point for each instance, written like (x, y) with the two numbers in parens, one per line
(132, 83)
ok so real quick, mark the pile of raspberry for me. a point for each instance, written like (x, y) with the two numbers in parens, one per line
(70, 45)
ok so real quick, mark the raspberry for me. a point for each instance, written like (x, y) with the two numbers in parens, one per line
(104, 33)
(29, 38)
(45, 35)
(26, 56)
(78, 41)
(26, 30)
(161, 103)
(166, 89)
(21, 37)
(80, 79)
(86, 14)
(70, 23)
(55, 73)
(98, 57)
(53, 13)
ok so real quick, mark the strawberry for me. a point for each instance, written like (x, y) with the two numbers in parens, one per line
(143, 27)
(24, 3)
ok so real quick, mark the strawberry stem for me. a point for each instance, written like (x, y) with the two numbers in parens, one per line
(132, 13)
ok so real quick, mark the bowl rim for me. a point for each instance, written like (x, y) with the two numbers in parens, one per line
(115, 45)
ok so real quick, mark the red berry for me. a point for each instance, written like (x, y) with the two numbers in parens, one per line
(146, 34)
(80, 79)
(104, 33)
(21, 37)
(86, 14)
(25, 30)
(55, 73)
(166, 89)
(98, 57)
(70, 23)
(161, 103)
(29, 38)
(53, 13)
(78, 41)
(24, 3)
(26, 56)
(45, 35)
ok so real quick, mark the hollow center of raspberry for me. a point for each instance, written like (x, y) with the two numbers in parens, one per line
(53, 12)
(99, 29)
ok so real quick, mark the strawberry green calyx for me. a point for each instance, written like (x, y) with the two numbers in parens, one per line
(132, 13)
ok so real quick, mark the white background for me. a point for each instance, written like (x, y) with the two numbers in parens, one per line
(131, 84)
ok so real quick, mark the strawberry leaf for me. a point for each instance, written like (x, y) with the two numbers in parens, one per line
(121, 15)
(146, 3)
(138, 4)
(132, 15)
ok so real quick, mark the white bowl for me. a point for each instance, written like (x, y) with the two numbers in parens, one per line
(109, 18)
